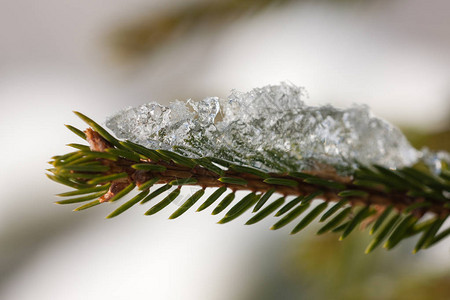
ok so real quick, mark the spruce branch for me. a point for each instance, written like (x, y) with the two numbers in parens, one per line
(398, 204)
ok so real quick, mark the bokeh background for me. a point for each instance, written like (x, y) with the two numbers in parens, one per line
(100, 56)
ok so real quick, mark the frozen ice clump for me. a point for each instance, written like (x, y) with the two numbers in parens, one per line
(269, 128)
(435, 160)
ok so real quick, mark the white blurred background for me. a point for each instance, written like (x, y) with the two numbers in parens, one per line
(59, 56)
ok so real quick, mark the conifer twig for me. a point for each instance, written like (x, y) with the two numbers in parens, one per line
(109, 169)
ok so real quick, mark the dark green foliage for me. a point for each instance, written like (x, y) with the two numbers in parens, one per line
(148, 153)
(438, 237)
(333, 223)
(96, 154)
(128, 204)
(249, 170)
(341, 227)
(325, 183)
(417, 205)
(383, 233)
(79, 146)
(224, 203)
(85, 191)
(183, 181)
(207, 164)
(88, 205)
(107, 178)
(186, 205)
(123, 192)
(357, 219)
(178, 159)
(266, 211)
(289, 205)
(353, 193)
(427, 237)
(77, 131)
(68, 159)
(125, 154)
(164, 202)
(233, 180)
(263, 199)
(310, 217)
(86, 168)
(281, 181)
(67, 181)
(219, 161)
(400, 231)
(156, 193)
(148, 184)
(241, 207)
(311, 196)
(406, 194)
(333, 209)
(293, 214)
(381, 219)
(212, 198)
(420, 227)
(301, 175)
(81, 199)
(149, 167)
(105, 134)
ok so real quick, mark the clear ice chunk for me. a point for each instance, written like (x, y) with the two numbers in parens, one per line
(269, 128)
(435, 160)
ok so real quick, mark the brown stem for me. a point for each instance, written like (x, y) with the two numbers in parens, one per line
(206, 178)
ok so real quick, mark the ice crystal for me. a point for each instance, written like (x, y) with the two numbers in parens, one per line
(435, 160)
(269, 128)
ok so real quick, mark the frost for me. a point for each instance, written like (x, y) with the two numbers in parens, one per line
(435, 160)
(270, 128)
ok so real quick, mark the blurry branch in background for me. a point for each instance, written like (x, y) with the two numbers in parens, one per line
(155, 29)
(433, 140)
(327, 269)
(21, 240)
